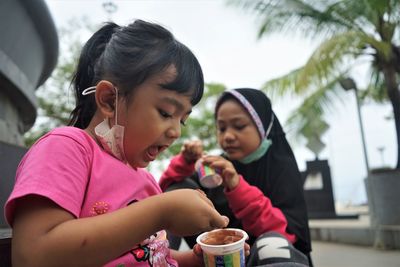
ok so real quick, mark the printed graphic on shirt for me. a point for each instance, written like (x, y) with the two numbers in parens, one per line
(99, 207)
(153, 250)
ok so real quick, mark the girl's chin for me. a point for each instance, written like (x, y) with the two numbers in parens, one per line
(143, 164)
(139, 164)
(233, 156)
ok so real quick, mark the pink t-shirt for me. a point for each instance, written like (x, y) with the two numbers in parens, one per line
(68, 167)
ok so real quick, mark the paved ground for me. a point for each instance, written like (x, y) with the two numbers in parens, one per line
(335, 255)
(363, 221)
(339, 255)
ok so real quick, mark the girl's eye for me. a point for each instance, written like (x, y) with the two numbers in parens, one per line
(164, 114)
(240, 127)
(221, 129)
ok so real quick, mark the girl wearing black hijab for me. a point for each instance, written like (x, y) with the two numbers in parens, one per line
(262, 188)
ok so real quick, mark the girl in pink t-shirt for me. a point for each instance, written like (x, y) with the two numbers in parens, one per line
(82, 197)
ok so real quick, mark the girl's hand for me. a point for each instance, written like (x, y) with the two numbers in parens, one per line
(225, 168)
(192, 150)
(188, 212)
(198, 255)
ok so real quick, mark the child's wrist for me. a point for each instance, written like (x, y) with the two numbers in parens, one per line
(233, 183)
(197, 255)
(162, 211)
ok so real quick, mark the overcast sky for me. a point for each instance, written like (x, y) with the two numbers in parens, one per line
(224, 40)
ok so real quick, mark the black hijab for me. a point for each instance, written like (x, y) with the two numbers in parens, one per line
(276, 173)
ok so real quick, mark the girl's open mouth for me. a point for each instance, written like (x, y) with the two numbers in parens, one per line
(153, 151)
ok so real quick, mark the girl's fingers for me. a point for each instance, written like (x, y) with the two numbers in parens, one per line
(221, 166)
(193, 150)
(209, 159)
(193, 145)
(219, 221)
(197, 250)
(226, 219)
(216, 162)
(205, 198)
(246, 249)
(201, 192)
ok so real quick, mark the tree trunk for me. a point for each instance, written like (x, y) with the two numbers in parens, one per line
(389, 73)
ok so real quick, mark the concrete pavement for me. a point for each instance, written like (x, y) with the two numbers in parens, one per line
(339, 255)
(326, 254)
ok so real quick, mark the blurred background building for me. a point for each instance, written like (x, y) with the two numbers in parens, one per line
(28, 54)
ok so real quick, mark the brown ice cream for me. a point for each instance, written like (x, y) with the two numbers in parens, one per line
(222, 237)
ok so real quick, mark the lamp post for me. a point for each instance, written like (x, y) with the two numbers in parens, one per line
(381, 150)
(110, 7)
(349, 84)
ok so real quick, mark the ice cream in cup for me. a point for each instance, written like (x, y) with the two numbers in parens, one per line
(208, 177)
(223, 247)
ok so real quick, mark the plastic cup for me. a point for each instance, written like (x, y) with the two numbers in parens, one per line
(218, 254)
(208, 178)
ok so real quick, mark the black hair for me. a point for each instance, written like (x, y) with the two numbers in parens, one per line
(127, 56)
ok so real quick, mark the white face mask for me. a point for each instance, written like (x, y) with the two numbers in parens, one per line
(111, 139)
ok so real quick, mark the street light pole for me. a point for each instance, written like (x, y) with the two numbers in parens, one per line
(381, 150)
(362, 130)
(349, 84)
(110, 8)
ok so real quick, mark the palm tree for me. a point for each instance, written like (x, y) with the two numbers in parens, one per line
(353, 32)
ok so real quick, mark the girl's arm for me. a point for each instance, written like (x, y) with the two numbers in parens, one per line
(182, 165)
(256, 211)
(248, 203)
(46, 235)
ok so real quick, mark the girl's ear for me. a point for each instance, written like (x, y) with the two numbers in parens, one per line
(105, 98)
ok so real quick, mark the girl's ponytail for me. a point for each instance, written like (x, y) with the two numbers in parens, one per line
(87, 73)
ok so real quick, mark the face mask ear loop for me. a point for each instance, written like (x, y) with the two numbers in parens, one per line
(116, 105)
(270, 126)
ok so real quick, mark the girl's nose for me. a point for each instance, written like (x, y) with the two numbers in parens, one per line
(229, 136)
(174, 132)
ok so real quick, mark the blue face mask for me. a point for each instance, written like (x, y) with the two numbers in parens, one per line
(262, 149)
